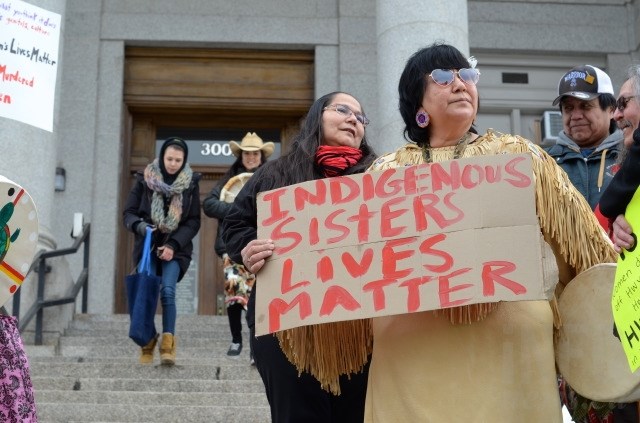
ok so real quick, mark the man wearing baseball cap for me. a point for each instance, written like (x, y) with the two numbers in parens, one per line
(589, 144)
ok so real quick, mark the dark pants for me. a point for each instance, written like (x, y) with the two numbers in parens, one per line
(294, 398)
(234, 312)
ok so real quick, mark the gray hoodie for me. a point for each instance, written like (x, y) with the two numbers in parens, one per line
(591, 174)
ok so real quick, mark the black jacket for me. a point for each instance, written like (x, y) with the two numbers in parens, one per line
(138, 208)
(240, 225)
(214, 207)
(624, 184)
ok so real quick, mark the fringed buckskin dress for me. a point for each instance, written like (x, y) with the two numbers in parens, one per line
(485, 362)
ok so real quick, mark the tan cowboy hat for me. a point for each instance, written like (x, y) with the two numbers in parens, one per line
(252, 142)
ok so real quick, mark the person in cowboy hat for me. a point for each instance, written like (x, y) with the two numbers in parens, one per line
(250, 154)
(252, 143)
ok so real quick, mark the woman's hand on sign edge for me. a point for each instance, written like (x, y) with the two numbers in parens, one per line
(255, 253)
(622, 237)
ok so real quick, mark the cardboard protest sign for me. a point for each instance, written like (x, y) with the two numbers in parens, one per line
(625, 300)
(18, 236)
(29, 43)
(403, 240)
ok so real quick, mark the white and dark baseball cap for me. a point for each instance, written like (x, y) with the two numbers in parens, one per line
(584, 83)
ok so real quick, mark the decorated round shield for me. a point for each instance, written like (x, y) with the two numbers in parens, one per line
(18, 236)
(588, 355)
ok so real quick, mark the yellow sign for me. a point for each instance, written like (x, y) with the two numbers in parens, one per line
(625, 300)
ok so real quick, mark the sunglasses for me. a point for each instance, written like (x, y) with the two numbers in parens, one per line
(445, 77)
(346, 111)
(622, 102)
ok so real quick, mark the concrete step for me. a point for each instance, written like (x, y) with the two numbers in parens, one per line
(91, 374)
(135, 413)
(123, 340)
(216, 331)
(134, 370)
(123, 357)
(146, 385)
(121, 321)
(215, 399)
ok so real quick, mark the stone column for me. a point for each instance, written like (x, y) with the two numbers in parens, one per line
(402, 27)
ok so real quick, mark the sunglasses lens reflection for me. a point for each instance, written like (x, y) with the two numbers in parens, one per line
(442, 76)
(469, 75)
(445, 77)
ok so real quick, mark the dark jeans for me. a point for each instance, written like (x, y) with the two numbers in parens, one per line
(234, 312)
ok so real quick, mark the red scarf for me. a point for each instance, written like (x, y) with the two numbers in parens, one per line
(334, 160)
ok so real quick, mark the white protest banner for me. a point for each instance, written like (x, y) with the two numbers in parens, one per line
(403, 240)
(29, 40)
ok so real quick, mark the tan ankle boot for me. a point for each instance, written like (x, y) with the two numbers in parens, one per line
(168, 349)
(146, 353)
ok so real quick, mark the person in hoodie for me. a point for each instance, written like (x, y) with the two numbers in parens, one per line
(590, 142)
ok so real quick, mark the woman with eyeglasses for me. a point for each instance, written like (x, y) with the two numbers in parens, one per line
(482, 362)
(331, 142)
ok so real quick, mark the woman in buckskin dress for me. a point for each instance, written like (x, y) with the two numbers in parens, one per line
(484, 362)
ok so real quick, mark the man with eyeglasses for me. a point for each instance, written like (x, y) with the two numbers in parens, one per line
(589, 144)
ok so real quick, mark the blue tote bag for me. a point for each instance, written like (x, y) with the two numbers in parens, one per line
(143, 289)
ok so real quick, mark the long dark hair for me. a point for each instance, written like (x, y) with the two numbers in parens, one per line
(298, 164)
(413, 84)
(237, 168)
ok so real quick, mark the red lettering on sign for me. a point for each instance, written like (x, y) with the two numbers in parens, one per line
(357, 269)
(441, 177)
(426, 205)
(493, 174)
(302, 196)
(391, 257)
(445, 288)
(363, 217)
(337, 295)
(314, 236)
(410, 180)
(377, 288)
(426, 248)
(386, 215)
(278, 307)
(277, 235)
(273, 198)
(468, 180)
(329, 224)
(335, 188)
(368, 190)
(491, 276)
(521, 180)
(383, 182)
(413, 291)
(325, 269)
(287, 273)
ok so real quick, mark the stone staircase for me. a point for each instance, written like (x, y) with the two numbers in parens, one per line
(92, 375)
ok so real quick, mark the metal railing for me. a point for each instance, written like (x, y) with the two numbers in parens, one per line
(39, 265)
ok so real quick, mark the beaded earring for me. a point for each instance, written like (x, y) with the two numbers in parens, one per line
(422, 119)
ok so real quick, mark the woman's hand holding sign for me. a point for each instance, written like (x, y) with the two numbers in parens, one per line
(255, 254)
(622, 234)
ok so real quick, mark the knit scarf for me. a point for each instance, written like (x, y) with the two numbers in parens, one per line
(334, 160)
(166, 222)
